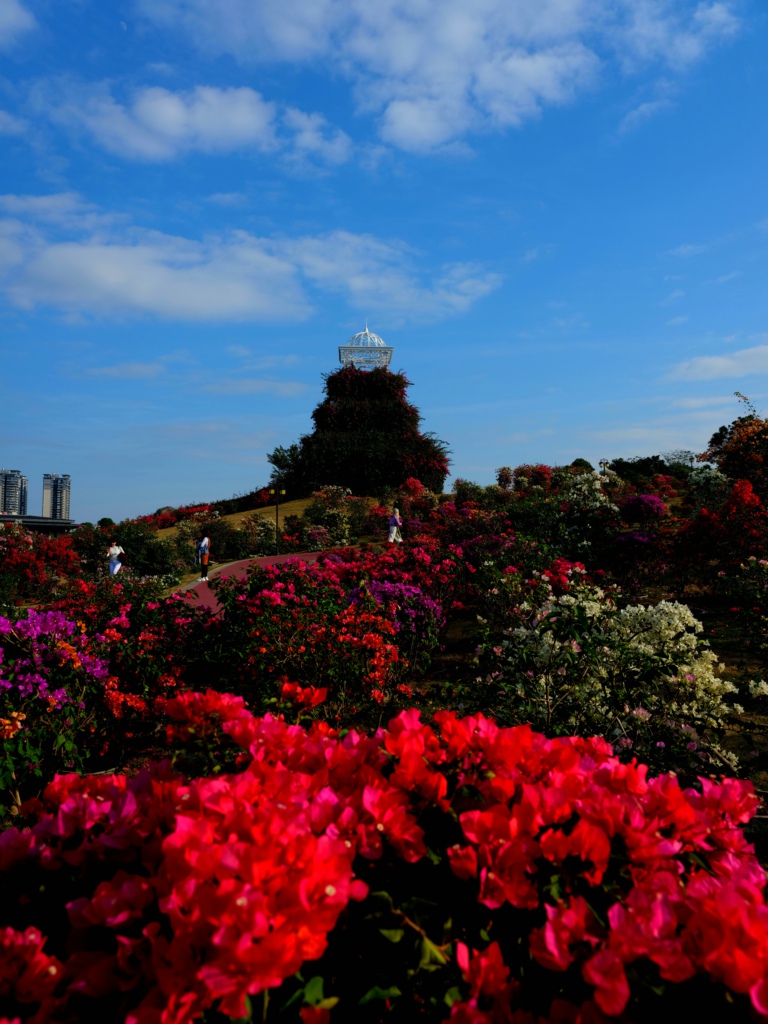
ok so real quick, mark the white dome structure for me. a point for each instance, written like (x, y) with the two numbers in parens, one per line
(365, 350)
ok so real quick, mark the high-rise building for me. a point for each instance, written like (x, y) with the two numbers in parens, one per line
(55, 496)
(13, 492)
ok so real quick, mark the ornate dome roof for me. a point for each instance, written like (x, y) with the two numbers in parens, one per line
(365, 339)
(365, 350)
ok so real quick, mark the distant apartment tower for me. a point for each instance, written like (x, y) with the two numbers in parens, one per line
(13, 492)
(55, 496)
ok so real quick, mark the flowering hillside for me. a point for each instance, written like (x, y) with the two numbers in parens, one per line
(499, 773)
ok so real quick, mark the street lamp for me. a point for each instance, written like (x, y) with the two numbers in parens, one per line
(604, 464)
(278, 494)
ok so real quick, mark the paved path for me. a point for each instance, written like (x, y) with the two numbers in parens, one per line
(203, 597)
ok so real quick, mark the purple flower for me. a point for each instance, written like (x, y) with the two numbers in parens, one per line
(407, 606)
(643, 508)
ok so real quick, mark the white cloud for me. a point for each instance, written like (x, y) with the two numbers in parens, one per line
(63, 209)
(221, 278)
(688, 250)
(673, 296)
(158, 124)
(382, 276)
(677, 321)
(728, 277)
(132, 371)
(15, 20)
(644, 112)
(314, 137)
(434, 70)
(677, 33)
(10, 125)
(58, 251)
(742, 363)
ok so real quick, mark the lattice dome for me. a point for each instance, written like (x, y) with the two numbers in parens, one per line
(365, 350)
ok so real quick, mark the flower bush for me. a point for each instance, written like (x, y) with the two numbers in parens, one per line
(643, 508)
(467, 873)
(642, 677)
(51, 694)
(31, 563)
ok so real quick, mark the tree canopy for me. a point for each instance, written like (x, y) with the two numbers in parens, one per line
(740, 449)
(366, 437)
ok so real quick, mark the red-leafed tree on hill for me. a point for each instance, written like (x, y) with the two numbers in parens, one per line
(740, 450)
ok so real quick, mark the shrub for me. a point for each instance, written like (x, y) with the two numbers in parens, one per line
(31, 563)
(259, 531)
(51, 701)
(504, 477)
(145, 553)
(740, 450)
(642, 677)
(467, 872)
(643, 508)
(466, 491)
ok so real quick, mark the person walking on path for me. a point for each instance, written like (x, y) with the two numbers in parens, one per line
(203, 549)
(395, 522)
(114, 551)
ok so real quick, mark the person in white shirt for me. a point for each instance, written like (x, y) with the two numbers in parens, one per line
(203, 551)
(113, 553)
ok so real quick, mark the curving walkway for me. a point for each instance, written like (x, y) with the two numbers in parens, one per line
(203, 597)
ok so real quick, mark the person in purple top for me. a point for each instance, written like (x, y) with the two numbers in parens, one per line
(395, 522)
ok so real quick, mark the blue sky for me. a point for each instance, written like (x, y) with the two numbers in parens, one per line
(556, 212)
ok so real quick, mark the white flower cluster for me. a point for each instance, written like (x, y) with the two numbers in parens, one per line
(581, 664)
(588, 490)
(668, 631)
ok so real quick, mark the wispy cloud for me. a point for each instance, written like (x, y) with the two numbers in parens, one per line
(724, 278)
(642, 113)
(677, 321)
(256, 386)
(742, 363)
(15, 21)
(530, 255)
(59, 252)
(126, 371)
(707, 402)
(673, 296)
(10, 125)
(688, 250)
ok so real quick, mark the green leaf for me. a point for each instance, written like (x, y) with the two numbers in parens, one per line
(313, 990)
(431, 955)
(393, 934)
(453, 995)
(379, 993)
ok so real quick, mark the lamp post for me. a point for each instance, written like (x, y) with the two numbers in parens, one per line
(604, 464)
(277, 493)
